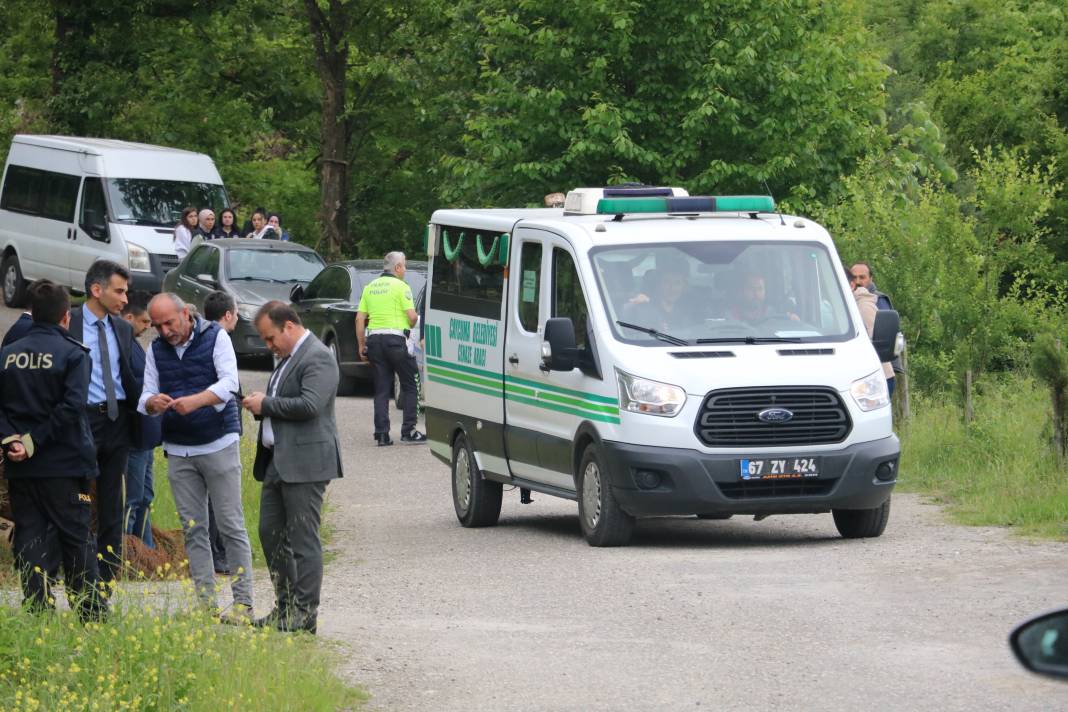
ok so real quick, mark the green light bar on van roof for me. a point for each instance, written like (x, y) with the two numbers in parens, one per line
(688, 204)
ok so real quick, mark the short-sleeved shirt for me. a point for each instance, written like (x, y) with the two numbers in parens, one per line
(386, 302)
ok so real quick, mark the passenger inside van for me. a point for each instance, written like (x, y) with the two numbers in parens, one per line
(751, 302)
(663, 309)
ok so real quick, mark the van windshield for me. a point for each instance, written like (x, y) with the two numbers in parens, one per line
(722, 292)
(160, 202)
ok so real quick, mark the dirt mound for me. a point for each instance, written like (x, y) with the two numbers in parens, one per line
(153, 563)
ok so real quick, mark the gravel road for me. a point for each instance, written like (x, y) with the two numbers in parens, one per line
(779, 614)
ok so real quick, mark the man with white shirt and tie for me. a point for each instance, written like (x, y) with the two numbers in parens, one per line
(296, 456)
(113, 394)
(190, 380)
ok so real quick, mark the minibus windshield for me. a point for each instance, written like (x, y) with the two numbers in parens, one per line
(141, 201)
(722, 292)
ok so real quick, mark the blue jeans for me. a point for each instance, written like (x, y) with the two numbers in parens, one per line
(139, 495)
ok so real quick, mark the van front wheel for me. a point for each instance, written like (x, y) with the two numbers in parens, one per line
(14, 284)
(862, 523)
(477, 501)
(604, 523)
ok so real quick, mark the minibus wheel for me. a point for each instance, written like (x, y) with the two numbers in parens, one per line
(477, 500)
(862, 523)
(13, 284)
(604, 523)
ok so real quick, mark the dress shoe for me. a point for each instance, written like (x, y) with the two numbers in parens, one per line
(271, 620)
(383, 439)
(238, 614)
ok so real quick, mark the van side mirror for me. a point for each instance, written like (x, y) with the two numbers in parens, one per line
(1041, 644)
(297, 293)
(558, 351)
(884, 333)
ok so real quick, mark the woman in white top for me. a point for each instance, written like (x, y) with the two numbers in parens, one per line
(183, 232)
(261, 230)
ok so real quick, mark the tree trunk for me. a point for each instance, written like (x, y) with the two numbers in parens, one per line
(1060, 427)
(901, 406)
(329, 37)
(969, 406)
(65, 27)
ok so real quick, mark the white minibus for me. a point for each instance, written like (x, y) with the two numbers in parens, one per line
(66, 202)
(648, 353)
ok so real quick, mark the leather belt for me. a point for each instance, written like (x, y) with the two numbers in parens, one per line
(386, 332)
(102, 407)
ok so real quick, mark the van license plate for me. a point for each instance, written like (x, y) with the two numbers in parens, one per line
(780, 468)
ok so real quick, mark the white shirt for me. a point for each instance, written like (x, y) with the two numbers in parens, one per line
(183, 238)
(226, 368)
(268, 432)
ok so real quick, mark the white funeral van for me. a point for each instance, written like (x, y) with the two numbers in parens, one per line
(649, 353)
(66, 202)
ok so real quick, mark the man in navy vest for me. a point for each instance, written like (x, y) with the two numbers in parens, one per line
(190, 380)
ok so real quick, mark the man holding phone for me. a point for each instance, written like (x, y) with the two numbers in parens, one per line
(190, 378)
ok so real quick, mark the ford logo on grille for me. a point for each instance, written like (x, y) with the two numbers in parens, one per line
(775, 415)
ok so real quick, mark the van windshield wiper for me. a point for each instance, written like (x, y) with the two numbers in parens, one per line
(658, 334)
(752, 340)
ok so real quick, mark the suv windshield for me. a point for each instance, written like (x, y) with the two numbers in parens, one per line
(707, 292)
(273, 265)
(160, 202)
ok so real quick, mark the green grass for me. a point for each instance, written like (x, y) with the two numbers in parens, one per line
(145, 658)
(1000, 469)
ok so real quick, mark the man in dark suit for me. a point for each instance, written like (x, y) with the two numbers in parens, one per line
(113, 394)
(296, 456)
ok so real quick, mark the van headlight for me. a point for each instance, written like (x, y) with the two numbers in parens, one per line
(247, 311)
(870, 392)
(138, 258)
(640, 395)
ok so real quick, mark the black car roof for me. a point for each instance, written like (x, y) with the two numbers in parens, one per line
(248, 243)
(376, 265)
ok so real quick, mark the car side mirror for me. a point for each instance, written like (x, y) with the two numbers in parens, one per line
(558, 351)
(207, 279)
(1041, 644)
(297, 293)
(884, 333)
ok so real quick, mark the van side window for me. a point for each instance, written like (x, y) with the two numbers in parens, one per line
(461, 283)
(568, 299)
(43, 193)
(94, 215)
(529, 285)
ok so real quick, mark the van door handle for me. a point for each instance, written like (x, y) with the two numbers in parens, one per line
(68, 233)
(514, 360)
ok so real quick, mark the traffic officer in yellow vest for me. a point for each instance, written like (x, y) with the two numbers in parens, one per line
(383, 318)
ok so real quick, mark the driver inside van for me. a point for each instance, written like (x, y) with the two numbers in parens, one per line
(659, 305)
(751, 302)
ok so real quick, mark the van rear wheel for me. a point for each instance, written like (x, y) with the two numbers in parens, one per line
(604, 523)
(477, 501)
(862, 523)
(14, 284)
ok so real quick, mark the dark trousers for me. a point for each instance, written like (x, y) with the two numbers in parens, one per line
(388, 353)
(55, 508)
(112, 440)
(290, 514)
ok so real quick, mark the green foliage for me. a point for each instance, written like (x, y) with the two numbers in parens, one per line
(718, 96)
(996, 471)
(1050, 361)
(151, 656)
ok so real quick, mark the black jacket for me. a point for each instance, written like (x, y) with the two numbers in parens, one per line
(20, 328)
(44, 381)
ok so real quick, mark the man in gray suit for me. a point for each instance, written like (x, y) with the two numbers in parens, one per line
(296, 456)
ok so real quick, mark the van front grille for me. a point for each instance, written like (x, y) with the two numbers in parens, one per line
(729, 417)
(763, 489)
(168, 262)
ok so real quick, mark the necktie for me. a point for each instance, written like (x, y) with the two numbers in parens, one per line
(273, 383)
(105, 367)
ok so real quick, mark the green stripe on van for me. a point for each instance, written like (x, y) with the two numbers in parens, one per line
(494, 375)
(477, 380)
(562, 409)
(563, 400)
(566, 391)
(494, 393)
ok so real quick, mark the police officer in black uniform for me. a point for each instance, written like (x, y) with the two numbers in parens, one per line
(49, 451)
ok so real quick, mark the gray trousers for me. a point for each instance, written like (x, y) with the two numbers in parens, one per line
(290, 513)
(192, 480)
